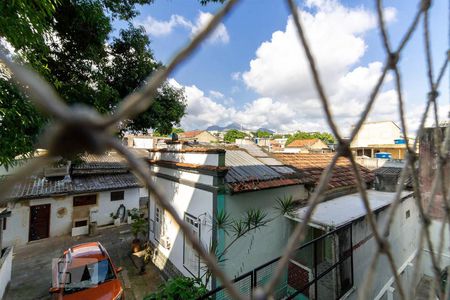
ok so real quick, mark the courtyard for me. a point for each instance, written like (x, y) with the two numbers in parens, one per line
(31, 269)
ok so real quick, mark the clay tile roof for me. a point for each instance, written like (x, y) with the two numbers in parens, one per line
(302, 143)
(190, 134)
(312, 165)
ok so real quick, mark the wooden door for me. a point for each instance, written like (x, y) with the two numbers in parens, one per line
(39, 222)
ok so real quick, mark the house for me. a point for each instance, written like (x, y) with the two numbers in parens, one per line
(333, 259)
(379, 137)
(341, 254)
(199, 136)
(201, 182)
(70, 200)
(307, 146)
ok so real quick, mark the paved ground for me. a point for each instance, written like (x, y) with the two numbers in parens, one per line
(31, 274)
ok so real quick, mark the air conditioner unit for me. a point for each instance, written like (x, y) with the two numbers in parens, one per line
(164, 241)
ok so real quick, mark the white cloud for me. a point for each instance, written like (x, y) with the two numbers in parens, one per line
(216, 94)
(280, 74)
(156, 27)
(201, 110)
(335, 34)
(236, 76)
(219, 35)
(160, 28)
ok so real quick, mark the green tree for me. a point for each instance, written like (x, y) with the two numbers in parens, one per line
(232, 135)
(263, 134)
(68, 43)
(303, 135)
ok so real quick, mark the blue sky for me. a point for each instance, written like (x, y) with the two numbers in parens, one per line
(245, 73)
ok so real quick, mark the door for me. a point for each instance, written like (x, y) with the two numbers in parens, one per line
(39, 222)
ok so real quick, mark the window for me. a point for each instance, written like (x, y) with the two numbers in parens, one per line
(85, 200)
(80, 223)
(191, 260)
(159, 228)
(88, 276)
(4, 223)
(408, 214)
(116, 196)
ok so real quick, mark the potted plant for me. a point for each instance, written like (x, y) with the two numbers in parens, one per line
(138, 226)
(115, 218)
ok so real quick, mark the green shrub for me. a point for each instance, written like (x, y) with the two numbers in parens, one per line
(179, 288)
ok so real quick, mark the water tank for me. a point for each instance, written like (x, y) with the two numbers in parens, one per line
(399, 142)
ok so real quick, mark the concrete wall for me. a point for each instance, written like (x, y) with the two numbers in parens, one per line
(61, 214)
(192, 158)
(17, 225)
(435, 231)
(403, 238)
(5, 270)
(376, 133)
(184, 198)
(266, 243)
(106, 206)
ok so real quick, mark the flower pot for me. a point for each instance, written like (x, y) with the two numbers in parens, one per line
(117, 222)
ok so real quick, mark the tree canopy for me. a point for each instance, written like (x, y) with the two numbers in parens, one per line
(232, 135)
(263, 134)
(70, 43)
(302, 135)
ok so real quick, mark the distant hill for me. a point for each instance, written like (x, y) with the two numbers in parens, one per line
(266, 130)
(225, 128)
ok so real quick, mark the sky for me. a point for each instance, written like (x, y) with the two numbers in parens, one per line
(253, 71)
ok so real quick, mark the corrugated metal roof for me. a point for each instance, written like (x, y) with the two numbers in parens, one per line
(270, 161)
(244, 167)
(254, 150)
(345, 209)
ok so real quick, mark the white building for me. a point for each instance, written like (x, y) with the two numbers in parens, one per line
(202, 182)
(352, 245)
(199, 183)
(47, 206)
(371, 133)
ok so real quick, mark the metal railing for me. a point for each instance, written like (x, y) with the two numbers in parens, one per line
(308, 272)
(95, 134)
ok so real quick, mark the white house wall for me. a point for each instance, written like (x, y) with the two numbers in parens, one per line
(266, 243)
(61, 214)
(17, 226)
(194, 177)
(376, 133)
(184, 198)
(435, 232)
(188, 157)
(403, 238)
(106, 206)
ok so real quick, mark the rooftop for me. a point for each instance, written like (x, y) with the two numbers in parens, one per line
(40, 187)
(302, 143)
(312, 166)
(345, 209)
(190, 134)
(93, 174)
